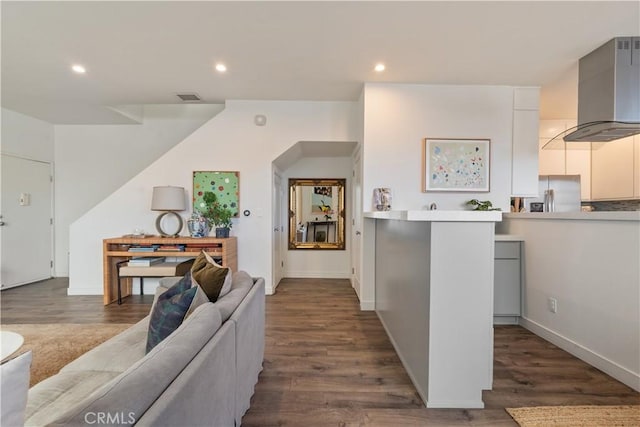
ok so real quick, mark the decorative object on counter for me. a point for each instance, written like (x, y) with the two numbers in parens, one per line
(217, 214)
(482, 205)
(536, 207)
(382, 199)
(198, 225)
(168, 200)
(456, 164)
(225, 185)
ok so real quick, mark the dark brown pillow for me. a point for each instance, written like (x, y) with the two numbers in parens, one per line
(209, 276)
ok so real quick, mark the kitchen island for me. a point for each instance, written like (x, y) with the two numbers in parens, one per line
(581, 285)
(433, 274)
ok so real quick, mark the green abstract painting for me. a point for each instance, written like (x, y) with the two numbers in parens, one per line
(225, 185)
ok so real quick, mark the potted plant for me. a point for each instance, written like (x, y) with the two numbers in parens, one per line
(482, 205)
(217, 215)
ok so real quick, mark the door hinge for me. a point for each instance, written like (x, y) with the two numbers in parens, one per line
(50, 178)
(51, 263)
(353, 174)
(50, 221)
(353, 270)
(282, 264)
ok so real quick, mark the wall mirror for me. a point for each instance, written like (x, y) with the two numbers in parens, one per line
(316, 213)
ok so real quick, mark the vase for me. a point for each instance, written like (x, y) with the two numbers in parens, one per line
(198, 227)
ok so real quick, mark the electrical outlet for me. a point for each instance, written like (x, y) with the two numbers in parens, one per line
(553, 305)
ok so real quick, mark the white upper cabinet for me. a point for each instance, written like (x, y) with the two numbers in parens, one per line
(564, 158)
(524, 177)
(552, 159)
(612, 169)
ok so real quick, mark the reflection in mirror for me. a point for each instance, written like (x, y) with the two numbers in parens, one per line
(316, 213)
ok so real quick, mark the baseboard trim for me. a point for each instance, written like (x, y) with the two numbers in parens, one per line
(84, 291)
(318, 274)
(367, 305)
(607, 366)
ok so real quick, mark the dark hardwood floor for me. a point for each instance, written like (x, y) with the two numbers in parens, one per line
(47, 302)
(329, 364)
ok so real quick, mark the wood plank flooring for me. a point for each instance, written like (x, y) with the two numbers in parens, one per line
(329, 364)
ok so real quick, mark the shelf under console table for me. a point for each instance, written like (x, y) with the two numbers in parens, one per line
(116, 250)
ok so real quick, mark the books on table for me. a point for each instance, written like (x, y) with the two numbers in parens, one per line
(151, 248)
(145, 261)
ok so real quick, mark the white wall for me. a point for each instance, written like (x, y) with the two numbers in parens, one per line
(398, 118)
(320, 263)
(230, 141)
(591, 268)
(94, 160)
(26, 137)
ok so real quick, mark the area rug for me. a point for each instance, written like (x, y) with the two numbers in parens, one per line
(55, 345)
(577, 416)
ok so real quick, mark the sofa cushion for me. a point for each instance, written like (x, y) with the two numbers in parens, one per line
(211, 277)
(132, 392)
(14, 387)
(54, 395)
(240, 287)
(116, 354)
(171, 308)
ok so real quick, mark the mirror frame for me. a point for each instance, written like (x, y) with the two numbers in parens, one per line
(340, 224)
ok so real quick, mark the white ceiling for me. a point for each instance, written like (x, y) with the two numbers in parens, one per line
(146, 52)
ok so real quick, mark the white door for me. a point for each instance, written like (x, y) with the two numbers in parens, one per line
(26, 233)
(356, 229)
(277, 230)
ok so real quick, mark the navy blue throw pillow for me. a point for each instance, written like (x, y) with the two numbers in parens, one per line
(169, 311)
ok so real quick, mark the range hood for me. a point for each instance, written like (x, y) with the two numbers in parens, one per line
(609, 92)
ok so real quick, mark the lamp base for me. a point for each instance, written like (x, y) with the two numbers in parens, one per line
(165, 233)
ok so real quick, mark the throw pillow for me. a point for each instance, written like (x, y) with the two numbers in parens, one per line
(226, 286)
(209, 276)
(171, 308)
(14, 388)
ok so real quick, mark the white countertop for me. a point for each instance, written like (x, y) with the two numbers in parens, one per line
(589, 216)
(438, 215)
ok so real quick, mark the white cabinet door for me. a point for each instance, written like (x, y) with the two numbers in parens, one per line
(578, 160)
(612, 174)
(551, 160)
(524, 180)
(507, 289)
(525, 139)
(506, 296)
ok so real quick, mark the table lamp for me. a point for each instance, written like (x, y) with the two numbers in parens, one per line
(168, 200)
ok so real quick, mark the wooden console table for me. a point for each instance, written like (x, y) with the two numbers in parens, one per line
(116, 250)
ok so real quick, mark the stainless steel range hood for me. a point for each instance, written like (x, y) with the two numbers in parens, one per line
(609, 92)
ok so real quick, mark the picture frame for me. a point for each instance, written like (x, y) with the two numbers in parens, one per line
(224, 184)
(456, 165)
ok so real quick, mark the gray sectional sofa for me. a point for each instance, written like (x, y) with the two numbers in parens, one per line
(203, 374)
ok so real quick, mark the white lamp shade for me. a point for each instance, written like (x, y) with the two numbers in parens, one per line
(168, 199)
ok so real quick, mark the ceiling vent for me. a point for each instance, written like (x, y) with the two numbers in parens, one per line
(189, 97)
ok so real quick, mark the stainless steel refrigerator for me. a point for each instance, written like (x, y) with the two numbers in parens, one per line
(557, 193)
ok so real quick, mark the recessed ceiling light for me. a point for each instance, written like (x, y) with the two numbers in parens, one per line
(221, 68)
(379, 67)
(79, 69)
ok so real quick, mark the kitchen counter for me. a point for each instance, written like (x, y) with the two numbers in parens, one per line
(433, 270)
(437, 215)
(588, 263)
(588, 216)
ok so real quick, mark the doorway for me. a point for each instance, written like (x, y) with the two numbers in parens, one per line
(26, 234)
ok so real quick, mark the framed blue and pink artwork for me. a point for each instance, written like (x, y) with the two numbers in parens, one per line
(225, 185)
(456, 164)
